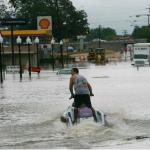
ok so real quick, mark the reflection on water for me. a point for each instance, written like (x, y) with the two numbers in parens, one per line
(30, 110)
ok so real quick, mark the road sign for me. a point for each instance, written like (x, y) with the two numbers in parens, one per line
(13, 21)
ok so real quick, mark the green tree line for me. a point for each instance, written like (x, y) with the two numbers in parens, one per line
(102, 33)
(141, 32)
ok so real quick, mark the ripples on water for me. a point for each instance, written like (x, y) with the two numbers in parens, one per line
(30, 112)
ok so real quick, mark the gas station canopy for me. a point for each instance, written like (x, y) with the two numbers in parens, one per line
(27, 33)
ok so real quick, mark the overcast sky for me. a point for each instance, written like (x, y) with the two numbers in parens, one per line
(114, 13)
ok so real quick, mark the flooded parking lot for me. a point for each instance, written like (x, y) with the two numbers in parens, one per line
(30, 110)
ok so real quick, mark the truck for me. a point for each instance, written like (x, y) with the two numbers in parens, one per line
(141, 54)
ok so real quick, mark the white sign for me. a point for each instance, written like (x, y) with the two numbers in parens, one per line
(44, 23)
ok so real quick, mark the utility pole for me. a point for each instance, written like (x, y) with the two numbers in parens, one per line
(58, 21)
(148, 15)
(1, 65)
(99, 36)
(12, 45)
(59, 27)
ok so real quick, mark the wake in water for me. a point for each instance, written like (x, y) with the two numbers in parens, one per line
(52, 133)
(122, 131)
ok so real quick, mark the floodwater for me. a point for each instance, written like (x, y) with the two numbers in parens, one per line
(30, 110)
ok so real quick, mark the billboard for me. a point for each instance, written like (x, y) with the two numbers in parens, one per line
(44, 23)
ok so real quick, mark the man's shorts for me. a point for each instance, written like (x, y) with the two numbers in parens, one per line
(82, 99)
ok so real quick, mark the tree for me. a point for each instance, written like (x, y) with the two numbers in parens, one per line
(105, 34)
(67, 21)
(5, 11)
(142, 32)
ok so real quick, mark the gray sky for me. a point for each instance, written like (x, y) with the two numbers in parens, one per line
(114, 13)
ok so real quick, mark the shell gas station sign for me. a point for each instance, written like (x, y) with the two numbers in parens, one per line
(44, 23)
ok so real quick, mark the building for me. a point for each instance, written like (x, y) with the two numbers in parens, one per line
(44, 36)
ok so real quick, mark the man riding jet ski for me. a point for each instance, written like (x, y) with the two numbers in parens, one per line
(82, 107)
(83, 113)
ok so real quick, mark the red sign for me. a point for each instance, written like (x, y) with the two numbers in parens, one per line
(35, 69)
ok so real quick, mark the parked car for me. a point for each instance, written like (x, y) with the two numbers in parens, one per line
(70, 49)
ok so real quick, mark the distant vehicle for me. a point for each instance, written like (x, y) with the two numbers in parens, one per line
(92, 55)
(12, 69)
(141, 54)
(95, 40)
(70, 48)
(64, 71)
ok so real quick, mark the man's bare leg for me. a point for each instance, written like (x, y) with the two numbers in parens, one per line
(75, 115)
(94, 115)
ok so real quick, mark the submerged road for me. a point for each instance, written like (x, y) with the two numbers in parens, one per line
(30, 110)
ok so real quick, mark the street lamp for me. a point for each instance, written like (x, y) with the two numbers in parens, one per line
(61, 52)
(36, 41)
(28, 41)
(52, 44)
(19, 41)
(1, 70)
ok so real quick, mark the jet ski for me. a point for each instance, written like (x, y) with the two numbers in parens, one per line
(83, 113)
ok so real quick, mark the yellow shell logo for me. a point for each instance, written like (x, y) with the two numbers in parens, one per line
(44, 23)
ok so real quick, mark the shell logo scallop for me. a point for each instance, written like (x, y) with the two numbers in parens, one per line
(44, 23)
